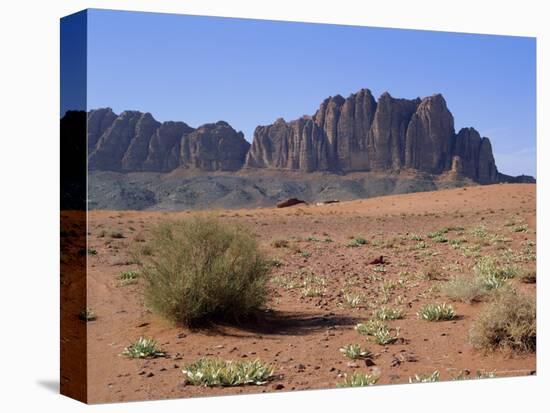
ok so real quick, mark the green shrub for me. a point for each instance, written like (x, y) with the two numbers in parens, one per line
(529, 276)
(280, 243)
(352, 300)
(465, 289)
(379, 331)
(436, 312)
(202, 269)
(432, 273)
(488, 268)
(116, 234)
(216, 372)
(386, 313)
(357, 242)
(143, 348)
(508, 321)
(425, 378)
(128, 277)
(370, 327)
(354, 351)
(87, 315)
(359, 380)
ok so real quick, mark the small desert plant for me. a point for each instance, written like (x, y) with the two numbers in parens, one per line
(415, 237)
(280, 243)
(143, 348)
(87, 315)
(202, 269)
(480, 374)
(379, 331)
(370, 327)
(128, 277)
(91, 251)
(354, 351)
(286, 281)
(508, 321)
(436, 312)
(116, 234)
(386, 313)
(456, 242)
(216, 372)
(420, 245)
(529, 276)
(352, 300)
(359, 380)
(521, 228)
(356, 242)
(313, 286)
(432, 273)
(384, 336)
(480, 232)
(425, 378)
(464, 289)
(492, 274)
(440, 239)
(313, 291)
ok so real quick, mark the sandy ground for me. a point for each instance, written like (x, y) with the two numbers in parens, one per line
(301, 336)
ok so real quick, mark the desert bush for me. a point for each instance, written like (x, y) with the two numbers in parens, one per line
(369, 328)
(313, 286)
(436, 312)
(280, 243)
(508, 321)
(425, 378)
(386, 313)
(354, 351)
(465, 289)
(379, 331)
(216, 372)
(357, 242)
(432, 273)
(87, 315)
(128, 277)
(528, 276)
(384, 336)
(480, 374)
(116, 234)
(358, 380)
(352, 300)
(143, 348)
(493, 275)
(202, 269)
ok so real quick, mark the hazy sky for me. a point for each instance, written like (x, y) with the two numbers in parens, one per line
(251, 72)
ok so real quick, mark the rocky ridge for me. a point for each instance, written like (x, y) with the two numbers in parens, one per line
(345, 135)
(359, 133)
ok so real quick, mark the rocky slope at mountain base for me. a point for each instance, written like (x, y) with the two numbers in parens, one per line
(184, 191)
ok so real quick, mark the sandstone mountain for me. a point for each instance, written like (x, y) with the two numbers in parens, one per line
(361, 134)
(354, 134)
(134, 141)
(355, 147)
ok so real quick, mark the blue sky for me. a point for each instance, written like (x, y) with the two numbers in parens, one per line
(250, 72)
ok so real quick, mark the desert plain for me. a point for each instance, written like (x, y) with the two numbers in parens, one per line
(322, 284)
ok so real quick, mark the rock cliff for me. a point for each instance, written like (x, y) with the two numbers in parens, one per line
(353, 134)
(361, 134)
(135, 141)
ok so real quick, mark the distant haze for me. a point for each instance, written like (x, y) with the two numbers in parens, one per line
(250, 72)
